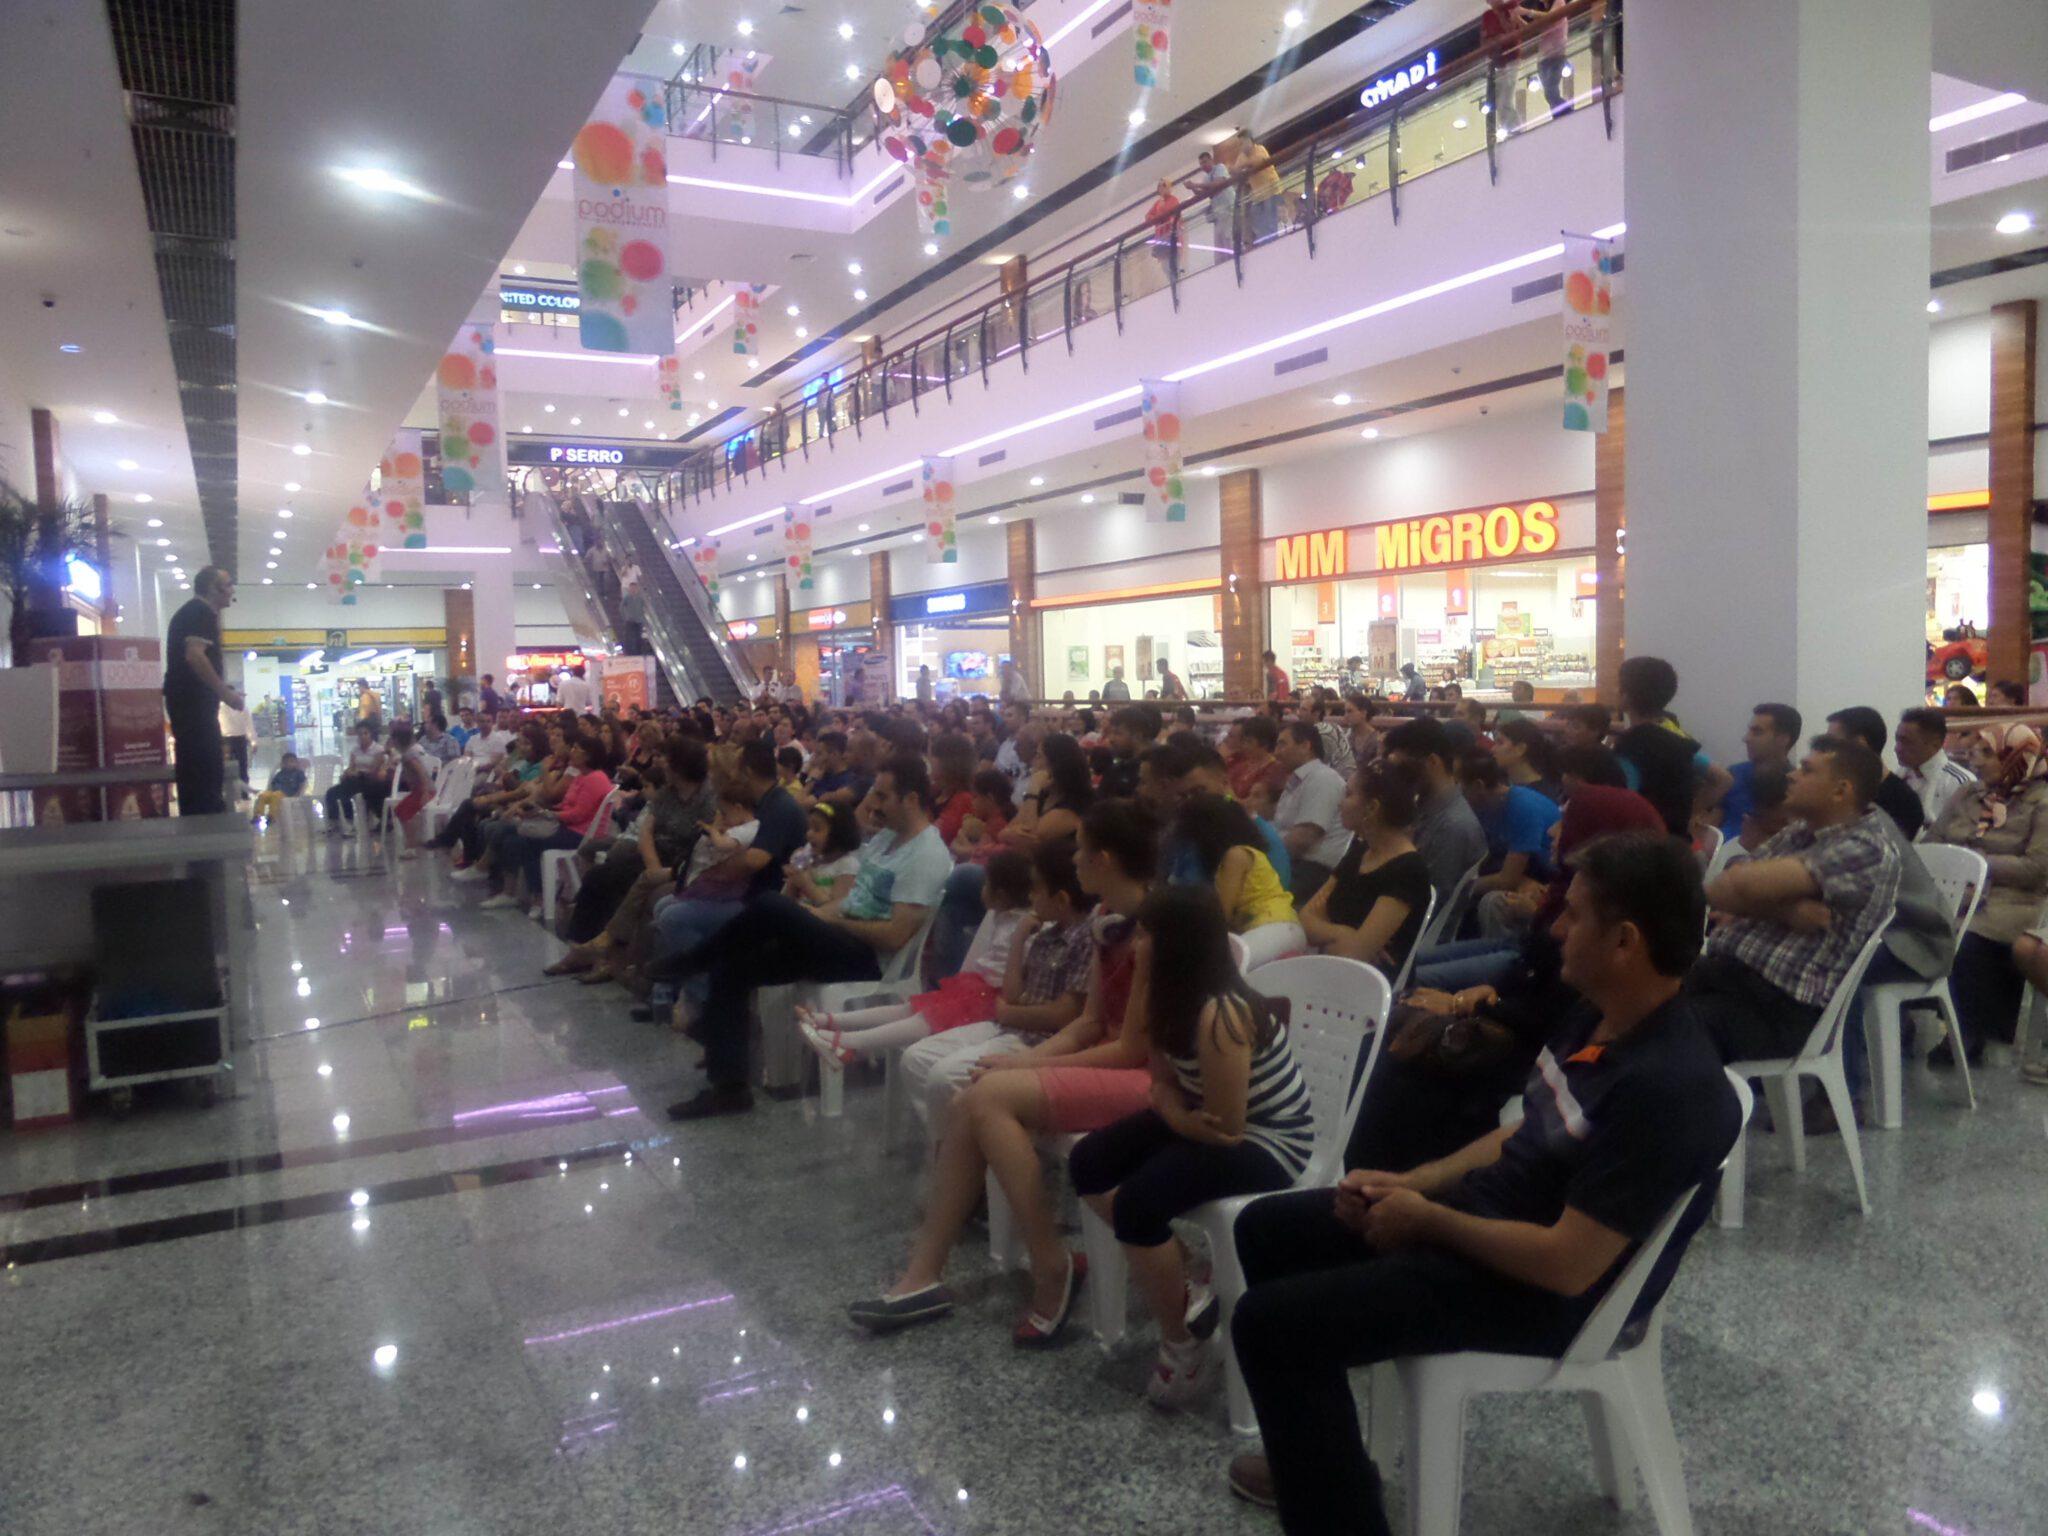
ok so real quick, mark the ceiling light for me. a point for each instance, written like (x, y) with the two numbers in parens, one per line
(863, 528)
(677, 49)
(792, 311)
(1020, 191)
(710, 405)
(994, 517)
(746, 138)
(931, 247)
(536, 586)
(1369, 433)
(622, 410)
(127, 464)
(105, 418)
(526, 429)
(853, 269)
(168, 559)
(371, 178)
(745, 28)
(312, 585)
(753, 363)
(795, 132)
(1209, 472)
(1088, 498)
(1934, 306)
(335, 316)
(752, 558)
(647, 426)
(291, 485)
(1292, 19)
(698, 375)
(144, 497)
(284, 511)
(270, 565)
(802, 331)
(156, 522)
(856, 549)
(917, 538)
(69, 346)
(315, 397)
(275, 550)
(575, 421)
(302, 449)
(518, 269)
(1340, 398)
(853, 71)
(1038, 479)
(161, 543)
(860, 295)
(267, 581)
(2014, 223)
(277, 533)
(695, 417)
(1137, 117)
(549, 409)
(846, 31)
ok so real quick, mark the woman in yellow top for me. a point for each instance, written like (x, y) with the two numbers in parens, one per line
(1219, 842)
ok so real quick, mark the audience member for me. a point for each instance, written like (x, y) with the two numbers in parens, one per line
(1664, 764)
(288, 782)
(1373, 905)
(1927, 769)
(1447, 834)
(1860, 723)
(1308, 812)
(1773, 735)
(1517, 822)
(1225, 851)
(367, 774)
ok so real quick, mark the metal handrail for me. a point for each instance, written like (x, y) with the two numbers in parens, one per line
(585, 617)
(672, 651)
(869, 390)
(830, 136)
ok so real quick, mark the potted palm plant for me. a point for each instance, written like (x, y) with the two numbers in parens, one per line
(37, 544)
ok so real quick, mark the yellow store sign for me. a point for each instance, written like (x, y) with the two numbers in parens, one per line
(1463, 538)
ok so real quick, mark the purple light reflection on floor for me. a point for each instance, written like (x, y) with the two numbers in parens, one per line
(893, 1493)
(1928, 1522)
(626, 1322)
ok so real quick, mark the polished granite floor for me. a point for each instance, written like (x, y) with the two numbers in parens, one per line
(438, 1265)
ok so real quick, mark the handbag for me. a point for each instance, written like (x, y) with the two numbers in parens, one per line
(1447, 1045)
(539, 828)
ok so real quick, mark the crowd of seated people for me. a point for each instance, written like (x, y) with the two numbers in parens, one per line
(1077, 898)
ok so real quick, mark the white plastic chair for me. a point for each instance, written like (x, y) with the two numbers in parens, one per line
(1725, 853)
(1617, 1372)
(1961, 875)
(1443, 924)
(1821, 1059)
(1408, 961)
(560, 875)
(450, 791)
(1240, 952)
(1710, 840)
(391, 792)
(899, 981)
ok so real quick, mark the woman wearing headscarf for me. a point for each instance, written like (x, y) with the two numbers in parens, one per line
(1454, 1058)
(2003, 816)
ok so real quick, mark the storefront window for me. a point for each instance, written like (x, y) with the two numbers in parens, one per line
(1083, 647)
(966, 658)
(1958, 590)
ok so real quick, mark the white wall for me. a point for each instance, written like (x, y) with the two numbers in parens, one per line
(1959, 405)
(984, 556)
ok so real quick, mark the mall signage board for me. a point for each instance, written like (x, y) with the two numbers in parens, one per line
(954, 602)
(1534, 530)
(536, 299)
(569, 453)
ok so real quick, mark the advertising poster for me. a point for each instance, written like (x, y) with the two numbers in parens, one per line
(1112, 658)
(626, 300)
(1589, 282)
(110, 714)
(796, 554)
(472, 452)
(627, 680)
(1077, 663)
(1166, 497)
(1152, 32)
(402, 488)
(941, 540)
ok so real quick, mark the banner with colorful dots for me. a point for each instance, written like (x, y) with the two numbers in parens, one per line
(796, 552)
(746, 318)
(705, 558)
(1589, 282)
(402, 490)
(472, 451)
(1166, 493)
(1152, 28)
(669, 372)
(622, 222)
(941, 541)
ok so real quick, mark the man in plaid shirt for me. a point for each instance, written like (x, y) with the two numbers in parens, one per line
(1790, 921)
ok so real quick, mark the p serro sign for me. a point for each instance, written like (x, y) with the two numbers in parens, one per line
(1460, 538)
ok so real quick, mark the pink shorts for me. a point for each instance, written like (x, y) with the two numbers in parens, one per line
(1088, 1098)
(966, 998)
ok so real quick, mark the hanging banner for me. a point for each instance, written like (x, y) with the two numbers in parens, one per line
(746, 318)
(1166, 496)
(669, 373)
(705, 558)
(934, 213)
(402, 489)
(472, 453)
(351, 560)
(1589, 279)
(941, 541)
(622, 222)
(796, 554)
(1151, 27)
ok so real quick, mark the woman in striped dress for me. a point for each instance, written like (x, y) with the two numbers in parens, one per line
(1229, 1115)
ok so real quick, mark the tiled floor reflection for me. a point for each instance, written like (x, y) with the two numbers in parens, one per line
(439, 1265)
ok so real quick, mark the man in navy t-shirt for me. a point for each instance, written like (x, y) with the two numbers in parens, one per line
(1509, 1244)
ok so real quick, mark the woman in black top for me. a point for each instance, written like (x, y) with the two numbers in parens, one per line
(1373, 905)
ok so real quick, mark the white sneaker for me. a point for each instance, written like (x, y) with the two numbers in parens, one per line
(467, 875)
(1183, 1375)
(410, 853)
(534, 912)
(497, 903)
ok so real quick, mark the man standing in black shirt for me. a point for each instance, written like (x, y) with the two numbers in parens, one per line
(194, 689)
(1668, 770)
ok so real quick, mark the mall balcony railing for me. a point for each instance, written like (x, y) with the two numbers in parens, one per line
(1471, 106)
(718, 114)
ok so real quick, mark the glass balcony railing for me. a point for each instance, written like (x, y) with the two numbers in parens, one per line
(1473, 107)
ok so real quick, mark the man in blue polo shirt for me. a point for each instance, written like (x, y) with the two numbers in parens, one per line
(1509, 1244)
(1517, 821)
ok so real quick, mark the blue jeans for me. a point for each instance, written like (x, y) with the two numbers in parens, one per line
(1855, 1044)
(679, 927)
(960, 913)
(1466, 963)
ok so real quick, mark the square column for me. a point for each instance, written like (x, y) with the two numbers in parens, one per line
(1021, 548)
(1241, 526)
(1776, 161)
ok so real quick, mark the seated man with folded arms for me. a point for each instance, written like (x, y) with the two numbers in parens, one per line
(1509, 1244)
(1791, 918)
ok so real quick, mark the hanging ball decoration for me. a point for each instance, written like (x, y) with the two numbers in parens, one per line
(969, 104)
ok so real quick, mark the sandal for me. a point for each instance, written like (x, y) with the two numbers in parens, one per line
(825, 1041)
(570, 964)
(1037, 1332)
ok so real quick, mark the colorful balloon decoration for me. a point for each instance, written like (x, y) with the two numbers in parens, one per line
(967, 106)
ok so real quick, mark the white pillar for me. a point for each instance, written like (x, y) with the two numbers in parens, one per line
(497, 634)
(1776, 291)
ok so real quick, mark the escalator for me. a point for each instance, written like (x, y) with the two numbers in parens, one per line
(686, 636)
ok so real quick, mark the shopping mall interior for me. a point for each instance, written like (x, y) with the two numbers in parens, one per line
(665, 362)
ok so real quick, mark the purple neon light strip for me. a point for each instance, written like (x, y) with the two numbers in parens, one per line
(853, 1506)
(624, 1322)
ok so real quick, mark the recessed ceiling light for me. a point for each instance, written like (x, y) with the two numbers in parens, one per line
(1369, 433)
(1038, 479)
(917, 538)
(856, 549)
(267, 581)
(1291, 19)
(994, 517)
(853, 71)
(753, 363)
(710, 405)
(144, 497)
(678, 50)
(536, 586)
(575, 421)
(284, 511)
(315, 397)
(548, 409)
(698, 375)
(518, 269)
(127, 464)
(863, 528)
(1137, 117)
(105, 418)
(1340, 398)
(1934, 306)
(160, 543)
(270, 565)
(745, 28)
(526, 429)
(802, 332)
(277, 533)
(1208, 471)
(291, 485)
(647, 426)
(860, 295)
(302, 449)
(795, 131)
(2014, 223)
(275, 550)
(1020, 192)
(853, 269)
(752, 558)
(168, 559)
(622, 410)
(695, 417)
(371, 178)
(311, 585)
(69, 346)
(1461, 123)
(155, 522)
(931, 247)
(846, 31)
(1088, 498)
(792, 311)
(335, 316)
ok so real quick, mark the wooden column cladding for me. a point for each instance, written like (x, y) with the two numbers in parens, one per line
(879, 592)
(458, 620)
(1022, 537)
(2013, 338)
(1610, 525)
(103, 557)
(1241, 527)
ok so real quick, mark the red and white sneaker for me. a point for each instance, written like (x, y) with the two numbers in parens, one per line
(1183, 1375)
